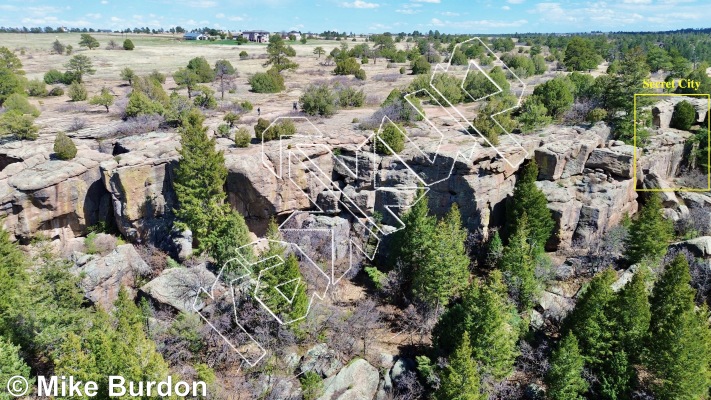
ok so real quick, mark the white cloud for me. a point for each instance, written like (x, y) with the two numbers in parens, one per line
(236, 18)
(428, 1)
(407, 11)
(360, 4)
(93, 15)
(506, 8)
(483, 23)
(104, 2)
(449, 14)
(637, 1)
(516, 1)
(7, 7)
(220, 15)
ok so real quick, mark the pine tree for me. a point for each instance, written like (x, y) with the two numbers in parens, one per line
(12, 277)
(418, 230)
(445, 268)
(518, 265)
(229, 238)
(487, 315)
(279, 271)
(527, 198)
(199, 179)
(495, 250)
(461, 380)
(564, 379)
(632, 315)
(591, 323)
(649, 234)
(11, 364)
(679, 341)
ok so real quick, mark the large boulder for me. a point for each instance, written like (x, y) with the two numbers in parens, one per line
(177, 288)
(617, 162)
(102, 277)
(356, 381)
(699, 247)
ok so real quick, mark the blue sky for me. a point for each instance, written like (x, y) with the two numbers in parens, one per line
(364, 16)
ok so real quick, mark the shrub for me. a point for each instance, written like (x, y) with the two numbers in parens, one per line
(205, 98)
(77, 91)
(17, 102)
(349, 97)
(684, 116)
(403, 70)
(19, 125)
(140, 104)
(243, 55)
(267, 82)
(128, 44)
(53, 76)
(58, 47)
(231, 119)
(202, 69)
(349, 66)
(246, 105)
(392, 135)
(77, 124)
(318, 100)
(223, 130)
(596, 115)
(157, 76)
(36, 88)
(284, 127)
(56, 91)
(360, 74)
(242, 137)
(364, 60)
(64, 147)
(260, 127)
(420, 66)
(104, 98)
(70, 77)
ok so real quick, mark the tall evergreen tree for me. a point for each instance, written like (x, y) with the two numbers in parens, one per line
(518, 265)
(632, 315)
(650, 234)
(283, 288)
(445, 269)
(679, 341)
(199, 178)
(527, 198)
(591, 323)
(461, 380)
(489, 318)
(12, 277)
(564, 379)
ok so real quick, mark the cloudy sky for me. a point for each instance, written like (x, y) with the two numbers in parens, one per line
(364, 16)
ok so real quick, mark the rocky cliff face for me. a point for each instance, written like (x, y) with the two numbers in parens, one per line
(587, 178)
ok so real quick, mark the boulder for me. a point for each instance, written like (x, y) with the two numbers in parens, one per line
(356, 381)
(321, 360)
(615, 162)
(554, 306)
(699, 247)
(102, 277)
(652, 180)
(177, 288)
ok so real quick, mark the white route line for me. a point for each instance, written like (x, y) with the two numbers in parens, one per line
(296, 155)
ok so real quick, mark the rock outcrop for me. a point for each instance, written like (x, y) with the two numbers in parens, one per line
(356, 381)
(40, 195)
(102, 277)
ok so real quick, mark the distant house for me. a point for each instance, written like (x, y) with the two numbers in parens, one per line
(295, 33)
(256, 36)
(195, 36)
